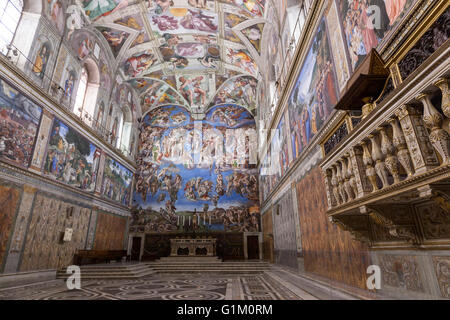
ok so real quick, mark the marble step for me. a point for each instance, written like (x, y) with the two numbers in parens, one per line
(107, 271)
(110, 276)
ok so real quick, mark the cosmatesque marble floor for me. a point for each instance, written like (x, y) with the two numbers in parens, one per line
(274, 285)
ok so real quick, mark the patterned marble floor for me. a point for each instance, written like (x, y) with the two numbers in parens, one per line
(159, 287)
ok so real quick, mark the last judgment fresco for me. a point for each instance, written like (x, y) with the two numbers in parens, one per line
(197, 175)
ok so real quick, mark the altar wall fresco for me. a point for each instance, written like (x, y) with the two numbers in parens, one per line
(328, 251)
(197, 175)
(110, 232)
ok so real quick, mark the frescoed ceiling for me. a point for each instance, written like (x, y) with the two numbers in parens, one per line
(196, 53)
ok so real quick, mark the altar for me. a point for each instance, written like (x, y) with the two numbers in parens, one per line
(193, 247)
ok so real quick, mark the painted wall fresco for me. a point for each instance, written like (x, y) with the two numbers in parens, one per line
(110, 232)
(184, 182)
(96, 9)
(9, 203)
(19, 122)
(264, 177)
(116, 182)
(328, 251)
(314, 94)
(361, 36)
(279, 154)
(71, 158)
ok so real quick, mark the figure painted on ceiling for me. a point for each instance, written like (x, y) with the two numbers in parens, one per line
(163, 5)
(86, 46)
(96, 9)
(115, 39)
(197, 20)
(40, 63)
(201, 4)
(138, 64)
(57, 15)
(165, 22)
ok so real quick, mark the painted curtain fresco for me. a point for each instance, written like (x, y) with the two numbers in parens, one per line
(196, 175)
(116, 182)
(9, 202)
(110, 232)
(71, 158)
(314, 95)
(19, 122)
(328, 251)
(360, 33)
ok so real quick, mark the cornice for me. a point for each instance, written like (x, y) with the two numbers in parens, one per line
(23, 177)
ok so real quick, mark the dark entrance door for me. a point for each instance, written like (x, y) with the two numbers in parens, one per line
(136, 249)
(253, 247)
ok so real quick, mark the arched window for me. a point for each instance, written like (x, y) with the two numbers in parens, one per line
(81, 92)
(87, 91)
(10, 12)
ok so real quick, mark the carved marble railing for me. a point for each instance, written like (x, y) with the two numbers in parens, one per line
(389, 184)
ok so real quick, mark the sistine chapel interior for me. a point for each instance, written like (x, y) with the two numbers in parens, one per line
(224, 149)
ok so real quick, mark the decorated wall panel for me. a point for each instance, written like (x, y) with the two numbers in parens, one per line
(314, 94)
(71, 158)
(110, 232)
(50, 217)
(285, 238)
(197, 175)
(19, 122)
(9, 203)
(267, 230)
(357, 22)
(328, 251)
(116, 182)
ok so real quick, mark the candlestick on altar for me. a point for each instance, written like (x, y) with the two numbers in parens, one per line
(184, 217)
(178, 221)
(189, 220)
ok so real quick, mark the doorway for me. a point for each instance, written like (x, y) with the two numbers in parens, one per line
(253, 247)
(136, 249)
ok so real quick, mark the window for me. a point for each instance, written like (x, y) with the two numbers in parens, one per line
(10, 12)
(81, 92)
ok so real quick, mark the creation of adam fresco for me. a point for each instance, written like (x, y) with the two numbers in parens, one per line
(197, 175)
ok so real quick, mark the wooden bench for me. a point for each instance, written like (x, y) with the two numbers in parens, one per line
(98, 256)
